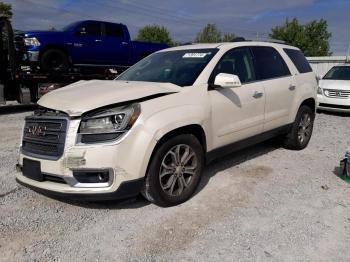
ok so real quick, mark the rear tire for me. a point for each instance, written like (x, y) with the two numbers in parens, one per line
(174, 171)
(300, 134)
(54, 60)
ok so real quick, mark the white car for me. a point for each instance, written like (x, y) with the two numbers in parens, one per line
(154, 128)
(334, 90)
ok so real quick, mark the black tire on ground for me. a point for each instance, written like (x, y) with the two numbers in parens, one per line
(54, 60)
(174, 171)
(300, 134)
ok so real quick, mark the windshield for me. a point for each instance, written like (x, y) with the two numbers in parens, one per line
(181, 67)
(70, 26)
(338, 73)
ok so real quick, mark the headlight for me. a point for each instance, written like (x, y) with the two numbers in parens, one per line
(31, 41)
(319, 90)
(109, 124)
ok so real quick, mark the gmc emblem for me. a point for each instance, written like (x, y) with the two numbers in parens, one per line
(36, 130)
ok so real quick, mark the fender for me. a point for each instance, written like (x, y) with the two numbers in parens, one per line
(160, 123)
(306, 91)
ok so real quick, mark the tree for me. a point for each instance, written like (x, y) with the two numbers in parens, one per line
(155, 34)
(211, 34)
(312, 38)
(5, 10)
(228, 37)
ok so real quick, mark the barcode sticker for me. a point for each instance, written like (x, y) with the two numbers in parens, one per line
(195, 55)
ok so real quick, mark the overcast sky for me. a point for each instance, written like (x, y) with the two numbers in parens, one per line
(184, 18)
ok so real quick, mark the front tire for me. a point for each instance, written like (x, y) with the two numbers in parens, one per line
(300, 134)
(54, 60)
(174, 171)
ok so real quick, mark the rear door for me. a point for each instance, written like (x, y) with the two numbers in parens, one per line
(237, 113)
(88, 44)
(117, 47)
(274, 74)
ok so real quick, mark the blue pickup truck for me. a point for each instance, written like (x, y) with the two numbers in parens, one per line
(86, 43)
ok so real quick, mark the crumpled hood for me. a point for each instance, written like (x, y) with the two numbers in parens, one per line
(335, 84)
(83, 96)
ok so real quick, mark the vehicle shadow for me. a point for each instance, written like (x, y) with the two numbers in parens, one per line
(237, 158)
(11, 109)
(128, 203)
(210, 170)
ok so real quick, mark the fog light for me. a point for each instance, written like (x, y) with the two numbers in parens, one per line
(91, 176)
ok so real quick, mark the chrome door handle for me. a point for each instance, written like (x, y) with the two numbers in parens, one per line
(291, 87)
(125, 43)
(258, 94)
(98, 40)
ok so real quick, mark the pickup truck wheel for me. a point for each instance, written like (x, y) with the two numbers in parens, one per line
(175, 171)
(301, 131)
(54, 60)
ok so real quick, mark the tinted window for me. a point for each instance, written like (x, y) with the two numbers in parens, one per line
(338, 73)
(181, 67)
(91, 29)
(298, 60)
(269, 63)
(238, 62)
(114, 30)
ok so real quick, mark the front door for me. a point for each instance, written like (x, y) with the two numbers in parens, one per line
(88, 43)
(237, 113)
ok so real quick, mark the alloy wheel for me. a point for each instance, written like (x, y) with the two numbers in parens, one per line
(305, 128)
(177, 169)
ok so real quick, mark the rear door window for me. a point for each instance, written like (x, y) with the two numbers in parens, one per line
(114, 30)
(269, 63)
(298, 60)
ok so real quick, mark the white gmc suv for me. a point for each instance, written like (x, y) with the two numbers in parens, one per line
(153, 129)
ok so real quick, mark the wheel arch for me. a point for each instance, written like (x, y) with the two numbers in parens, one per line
(310, 102)
(54, 46)
(191, 129)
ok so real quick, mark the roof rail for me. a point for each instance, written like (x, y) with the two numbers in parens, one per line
(276, 41)
(239, 39)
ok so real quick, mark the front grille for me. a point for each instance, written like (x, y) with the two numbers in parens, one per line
(334, 93)
(44, 137)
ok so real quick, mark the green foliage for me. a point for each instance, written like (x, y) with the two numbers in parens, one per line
(155, 34)
(312, 38)
(228, 37)
(5, 10)
(211, 34)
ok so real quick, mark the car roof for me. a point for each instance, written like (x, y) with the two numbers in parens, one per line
(228, 45)
(346, 64)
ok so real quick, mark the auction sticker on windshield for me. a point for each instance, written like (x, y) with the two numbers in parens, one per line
(195, 55)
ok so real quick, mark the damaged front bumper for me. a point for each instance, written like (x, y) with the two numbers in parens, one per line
(103, 171)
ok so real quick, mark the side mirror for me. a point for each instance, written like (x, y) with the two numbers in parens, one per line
(227, 80)
(318, 77)
(81, 31)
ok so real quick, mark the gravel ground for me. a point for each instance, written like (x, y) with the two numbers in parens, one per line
(264, 203)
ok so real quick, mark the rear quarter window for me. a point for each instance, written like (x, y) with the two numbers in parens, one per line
(298, 60)
(269, 63)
